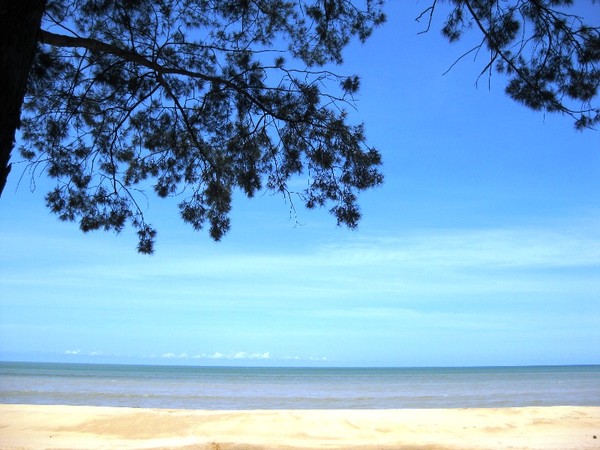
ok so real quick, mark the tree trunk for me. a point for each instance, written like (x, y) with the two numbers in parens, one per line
(19, 29)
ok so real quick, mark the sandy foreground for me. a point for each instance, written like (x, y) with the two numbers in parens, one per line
(82, 427)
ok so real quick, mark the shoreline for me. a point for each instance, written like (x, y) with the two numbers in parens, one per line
(35, 427)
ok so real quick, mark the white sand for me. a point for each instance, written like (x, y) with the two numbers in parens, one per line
(29, 427)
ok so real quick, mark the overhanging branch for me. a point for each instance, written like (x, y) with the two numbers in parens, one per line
(59, 40)
(496, 48)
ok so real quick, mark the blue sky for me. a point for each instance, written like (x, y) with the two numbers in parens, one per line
(481, 248)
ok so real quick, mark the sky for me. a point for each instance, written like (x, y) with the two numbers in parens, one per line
(481, 248)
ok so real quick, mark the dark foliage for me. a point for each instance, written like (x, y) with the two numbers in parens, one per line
(550, 55)
(196, 99)
(202, 98)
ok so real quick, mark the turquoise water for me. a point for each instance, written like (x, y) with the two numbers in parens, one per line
(297, 388)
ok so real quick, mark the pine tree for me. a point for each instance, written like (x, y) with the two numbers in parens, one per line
(196, 98)
(550, 55)
(201, 98)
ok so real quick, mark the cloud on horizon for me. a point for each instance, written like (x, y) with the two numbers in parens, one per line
(183, 356)
(218, 355)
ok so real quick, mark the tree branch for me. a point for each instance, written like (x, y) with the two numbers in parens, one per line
(497, 48)
(59, 40)
(186, 121)
(431, 11)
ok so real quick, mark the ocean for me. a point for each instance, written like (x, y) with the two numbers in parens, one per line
(243, 388)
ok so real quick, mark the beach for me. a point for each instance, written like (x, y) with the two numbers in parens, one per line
(33, 427)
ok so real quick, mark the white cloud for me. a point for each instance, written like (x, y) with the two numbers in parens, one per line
(413, 262)
(219, 355)
(244, 355)
(482, 248)
(239, 356)
(83, 354)
(174, 355)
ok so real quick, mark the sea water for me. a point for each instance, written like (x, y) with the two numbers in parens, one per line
(245, 388)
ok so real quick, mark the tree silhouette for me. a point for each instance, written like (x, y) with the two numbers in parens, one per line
(550, 55)
(19, 25)
(194, 98)
(200, 98)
